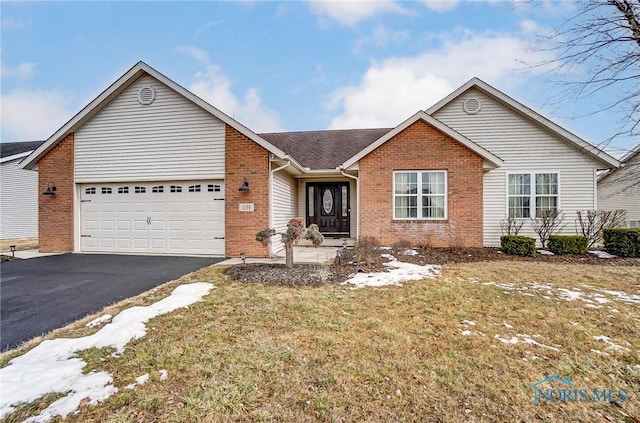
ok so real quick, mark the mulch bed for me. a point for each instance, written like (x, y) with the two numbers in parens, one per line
(318, 275)
(6, 258)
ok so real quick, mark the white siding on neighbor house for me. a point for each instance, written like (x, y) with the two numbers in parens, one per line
(284, 205)
(353, 206)
(621, 190)
(524, 147)
(18, 201)
(169, 139)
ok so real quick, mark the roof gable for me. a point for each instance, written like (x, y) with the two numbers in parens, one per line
(529, 114)
(491, 159)
(117, 88)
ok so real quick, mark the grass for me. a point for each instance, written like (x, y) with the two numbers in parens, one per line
(263, 353)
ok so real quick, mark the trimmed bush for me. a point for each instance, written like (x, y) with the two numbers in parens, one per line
(518, 245)
(623, 242)
(568, 244)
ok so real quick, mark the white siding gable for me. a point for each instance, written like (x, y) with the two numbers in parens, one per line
(621, 190)
(524, 147)
(18, 201)
(170, 139)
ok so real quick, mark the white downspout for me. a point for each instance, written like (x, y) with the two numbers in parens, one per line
(357, 179)
(271, 173)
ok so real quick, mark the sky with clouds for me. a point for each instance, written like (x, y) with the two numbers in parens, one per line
(284, 66)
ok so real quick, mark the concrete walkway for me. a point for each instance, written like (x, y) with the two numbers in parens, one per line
(301, 254)
(29, 254)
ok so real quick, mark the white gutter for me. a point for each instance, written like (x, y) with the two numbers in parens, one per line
(15, 156)
(357, 179)
(271, 173)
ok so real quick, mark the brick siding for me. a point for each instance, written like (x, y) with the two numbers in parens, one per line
(245, 158)
(55, 212)
(422, 147)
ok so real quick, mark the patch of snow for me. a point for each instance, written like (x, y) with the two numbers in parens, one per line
(568, 295)
(602, 254)
(527, 339)
(163, 374)
(398, 272)
(600, 299)
(466, 333)
(546, 253)
(610, 344)
(410, 252)
(468, 322)
(599, 352)
(140, 380)
(53, 366)
(100, 320)
(507, 325)
(622, 296)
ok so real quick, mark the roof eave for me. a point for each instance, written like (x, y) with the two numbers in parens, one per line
(15, 156)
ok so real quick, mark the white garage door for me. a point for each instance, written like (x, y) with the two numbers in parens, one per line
(156, 218)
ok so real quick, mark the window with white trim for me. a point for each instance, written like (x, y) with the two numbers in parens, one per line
(532, 194)
(634, 223)
(420, 194)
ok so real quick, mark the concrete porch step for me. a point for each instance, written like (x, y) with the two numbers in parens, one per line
(329, 242)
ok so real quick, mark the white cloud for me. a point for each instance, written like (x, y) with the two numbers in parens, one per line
(214, 86)
(351, 12)
(381, 37)
(22, 71)
(33, 115)
(195, 53)
(441, 5)
(396, 88)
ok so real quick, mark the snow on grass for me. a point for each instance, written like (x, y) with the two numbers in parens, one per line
(611, 346)
(545, 253)
(53, 367)
(602, 254)
(398, 272)
(163, 374)
(527, 339)
(468, 322)
(140, 380)
(99, 321)
(466, 333)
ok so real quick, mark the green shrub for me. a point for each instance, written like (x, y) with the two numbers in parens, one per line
(518, 245)
(623, 242)
(568, 244)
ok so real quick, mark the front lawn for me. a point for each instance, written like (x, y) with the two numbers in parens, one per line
(466, 345)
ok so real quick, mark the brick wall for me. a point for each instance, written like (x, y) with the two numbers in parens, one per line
(245, 158)
(55, 212)
(422, 147)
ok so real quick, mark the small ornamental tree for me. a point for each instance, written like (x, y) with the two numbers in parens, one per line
(295, 230)
(549, 222)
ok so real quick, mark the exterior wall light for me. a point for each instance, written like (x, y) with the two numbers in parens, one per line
(245, 186)
(13, 250)
(51, 189)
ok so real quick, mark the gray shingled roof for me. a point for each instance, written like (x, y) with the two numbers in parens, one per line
(324, 149)
(12, 148)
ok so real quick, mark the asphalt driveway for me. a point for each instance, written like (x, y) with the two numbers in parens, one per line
(46, 293)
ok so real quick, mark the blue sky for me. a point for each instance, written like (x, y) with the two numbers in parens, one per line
(282, 65)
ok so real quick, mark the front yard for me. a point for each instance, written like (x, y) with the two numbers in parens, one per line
(465, 345)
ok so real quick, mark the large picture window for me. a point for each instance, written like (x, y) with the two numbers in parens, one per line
(420, 194)
(532, 194)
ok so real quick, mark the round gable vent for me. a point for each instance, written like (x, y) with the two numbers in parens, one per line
(472, 105)
(146, 95)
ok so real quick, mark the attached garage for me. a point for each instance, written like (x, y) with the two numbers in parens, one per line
(174, 217)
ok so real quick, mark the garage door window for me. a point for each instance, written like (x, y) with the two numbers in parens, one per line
(159, 188)
(91, 190)
(123, 190)
(106, 190)
(176, 188)
(213, 188)
(140, 190)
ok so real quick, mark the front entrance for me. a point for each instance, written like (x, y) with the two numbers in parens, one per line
(328, 207)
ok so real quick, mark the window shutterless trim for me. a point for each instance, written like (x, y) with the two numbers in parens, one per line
(420, 195)
(532, 190)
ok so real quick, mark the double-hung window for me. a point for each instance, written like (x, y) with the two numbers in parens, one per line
(420, 194)
(532, 194)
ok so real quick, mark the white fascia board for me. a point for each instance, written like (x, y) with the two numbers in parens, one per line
(537, 118)
(115, 89)
(15, 156)
(489, 157)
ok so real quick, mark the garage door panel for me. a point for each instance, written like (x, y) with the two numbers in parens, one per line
(133, 217)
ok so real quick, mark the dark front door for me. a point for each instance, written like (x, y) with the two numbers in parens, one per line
(328, 207)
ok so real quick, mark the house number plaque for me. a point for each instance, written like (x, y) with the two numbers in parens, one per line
(246, 207)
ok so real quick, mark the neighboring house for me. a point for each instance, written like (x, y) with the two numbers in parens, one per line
(620, 188)
(148, 167)
(18, 192)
